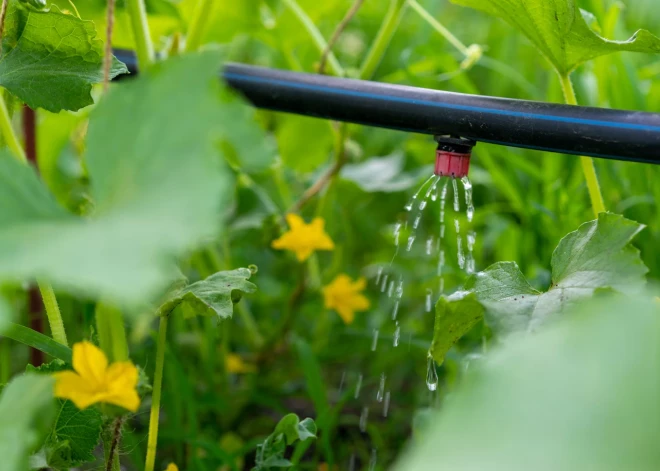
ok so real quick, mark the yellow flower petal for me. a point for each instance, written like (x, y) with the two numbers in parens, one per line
(172, 467)
(235, 364)
(344, 296)
(121, 380)
(89, 361)
(72, 386)
(303, 239)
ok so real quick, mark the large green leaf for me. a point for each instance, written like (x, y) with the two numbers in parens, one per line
(270, 454)
(27, 409)
(213, 296)
(557, 28)
(579, 395)
(51, 59)
(157, 182)
(454, 317)
(596, 256)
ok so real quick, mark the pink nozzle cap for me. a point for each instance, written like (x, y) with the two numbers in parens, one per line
(451, 164)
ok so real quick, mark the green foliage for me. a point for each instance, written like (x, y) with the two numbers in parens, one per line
(290, 429)
(582, 394)
(454, 317)
(213, 296)
(4, 316)
(51, 59)
(559, 30)
(143, 178)
(596, 256)
(38, 340)
(27, 411)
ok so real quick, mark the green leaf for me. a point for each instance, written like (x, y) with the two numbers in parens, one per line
(290, 429)
(582, 394)
(5, 316)
(211, 296)
(382, 174)
(37, 340)
(598, 255)
(27, 409)
(304, 143)
(156, 179)
(454, 317)
(51, 59)
(559, 31)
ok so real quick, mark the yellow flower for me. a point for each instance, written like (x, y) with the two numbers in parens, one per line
(172, 467)
(235, 364)
(93, 381)
(303, 239)
(343, 295)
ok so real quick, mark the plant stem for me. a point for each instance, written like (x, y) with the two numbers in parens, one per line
(198, 24)
(444, 32)
(383, 38)
(155, 396)
(111, 332)
(316, 35)
(112, 456)
(587, 162)
(9, 134)
(143, 46)
(337, 33)
(107, 53)
(53, 313)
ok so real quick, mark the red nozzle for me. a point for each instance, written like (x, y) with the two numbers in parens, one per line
(451, 164)
(452, 159)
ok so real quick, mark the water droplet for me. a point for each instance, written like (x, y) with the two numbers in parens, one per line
(457, 204)
(411, 239)
(364, 416)
(411, 203)
(429, 245)
(351, 463)
(379, 274)
(386, 404)
(434, 195)
(459, 245)
(397, 233)
(373, 460)
(399, 288)
(429, 301)
(397, 335)
(358, 386)
(390, 289)
(457, 226)
(381, 388)
(395, 310)
(442, 231)
(471, 237)
(442, 285)
(468, 198)
(431, 374)
(383, 285)
(443, 195)
(341, 383)
(422, 205)
(374, 341)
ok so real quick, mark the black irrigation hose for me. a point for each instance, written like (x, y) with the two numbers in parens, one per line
(596, 132)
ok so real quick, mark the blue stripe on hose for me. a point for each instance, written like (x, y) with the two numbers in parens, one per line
(516, 114)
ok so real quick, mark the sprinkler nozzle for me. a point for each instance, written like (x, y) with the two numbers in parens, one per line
(452, 158)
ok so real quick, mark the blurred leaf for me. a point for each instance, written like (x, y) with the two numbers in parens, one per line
(51, 59)
(211, 296)
(559, 31)
(270, 454)
(597, 255)
(454, 317)
(304, 143)
(27, 409)
(584, 392)
(37, 340)
(384, 174)
(157, 184)
(5, 316)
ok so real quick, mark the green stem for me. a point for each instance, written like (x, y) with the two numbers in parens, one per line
(143, 46)
(316, 35)
(8, 132)
(155, 395)
(444, 32)
(587, 162)
(198, 25)
(111, 332)
(383, 38)
(53, 313)
(256, 339)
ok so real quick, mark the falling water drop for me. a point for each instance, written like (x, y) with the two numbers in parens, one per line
(341, 383)
(373, 460)
(434, 195)
(429, 245)
(358, 386)
(459, 245)
(364, 416)
(390, 289)
(468, 198)
(431, 374)
(411, 203)
(386, 404)
(457, 205)
(471, 237)
(397, 233)
(374, 341)
(429, 301)
(383, 285)
(399, 288)
(351, 463)
(442, 231)
(397, 335)
(418, 218)
(379, 274)
(381, 388)
(411, 240)
(395, 310)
